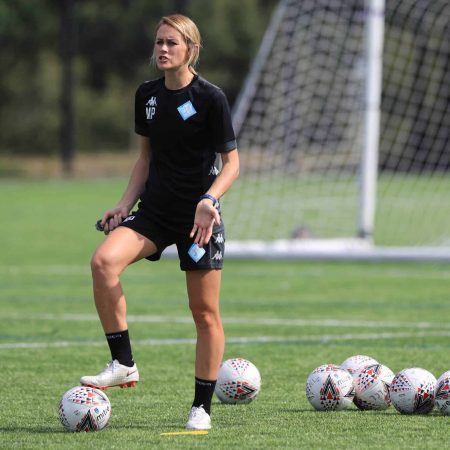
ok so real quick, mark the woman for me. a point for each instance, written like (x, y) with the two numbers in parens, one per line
(182, 121)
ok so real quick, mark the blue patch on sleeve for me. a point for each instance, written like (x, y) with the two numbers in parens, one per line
(186, 110)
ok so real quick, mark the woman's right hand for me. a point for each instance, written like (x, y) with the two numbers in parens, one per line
(113, 218)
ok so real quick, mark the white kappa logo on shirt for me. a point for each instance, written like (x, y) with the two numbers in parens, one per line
(217, 256)
(214, 171)
(219, 239)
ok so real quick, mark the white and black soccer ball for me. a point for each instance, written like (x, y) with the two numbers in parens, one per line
(413, 391)
(354, 363)
(329, 388)
(239, 381)
(443, 393)
(372, 387)
(84, 408)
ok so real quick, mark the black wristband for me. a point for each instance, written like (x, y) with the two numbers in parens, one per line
(210, 197)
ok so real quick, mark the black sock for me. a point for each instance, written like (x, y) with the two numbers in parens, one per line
(120, 347)
(204, 390)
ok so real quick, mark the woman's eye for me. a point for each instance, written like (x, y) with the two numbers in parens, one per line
(171, 43)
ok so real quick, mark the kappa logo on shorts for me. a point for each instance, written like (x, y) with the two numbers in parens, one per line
(187, 110)
(218, 256)
(219, 238)
(127, 219)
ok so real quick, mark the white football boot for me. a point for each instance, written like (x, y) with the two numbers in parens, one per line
(198, 419)
(114, 374)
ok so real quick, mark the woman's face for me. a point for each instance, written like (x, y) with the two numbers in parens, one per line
(171, 51)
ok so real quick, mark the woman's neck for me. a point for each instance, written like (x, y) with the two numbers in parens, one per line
(178, 79)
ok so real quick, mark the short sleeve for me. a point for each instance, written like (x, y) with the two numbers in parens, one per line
(224, 139)
(140, 124)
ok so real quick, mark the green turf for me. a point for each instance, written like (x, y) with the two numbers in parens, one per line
(47, 317)
(411, 209)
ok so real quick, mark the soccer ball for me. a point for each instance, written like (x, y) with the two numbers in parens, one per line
(412, 391)
(239, 381)
(329, 387)
(372, 387)
(443, 393)
(354, 363)
(84, 408)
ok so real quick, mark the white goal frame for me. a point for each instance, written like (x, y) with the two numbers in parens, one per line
(360, 246)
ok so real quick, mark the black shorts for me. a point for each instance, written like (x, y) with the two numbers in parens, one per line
(163, 237)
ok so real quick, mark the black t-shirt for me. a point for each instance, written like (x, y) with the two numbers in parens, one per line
(186, 129)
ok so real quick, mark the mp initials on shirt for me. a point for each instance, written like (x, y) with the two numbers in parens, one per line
(150, 108)
(186, 110)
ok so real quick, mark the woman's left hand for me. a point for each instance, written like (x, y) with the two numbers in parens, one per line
(205, 217)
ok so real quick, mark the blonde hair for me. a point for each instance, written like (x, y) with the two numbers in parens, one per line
(187, 28)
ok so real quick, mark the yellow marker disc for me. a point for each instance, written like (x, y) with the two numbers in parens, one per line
(180, 433)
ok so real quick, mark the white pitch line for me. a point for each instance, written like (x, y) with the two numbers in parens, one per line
(326, 338)
(76, 269)
(238, 320)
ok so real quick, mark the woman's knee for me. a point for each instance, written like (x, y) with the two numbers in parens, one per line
(102, 263)
(206, 318)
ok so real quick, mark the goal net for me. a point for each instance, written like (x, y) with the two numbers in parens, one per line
(343, 129)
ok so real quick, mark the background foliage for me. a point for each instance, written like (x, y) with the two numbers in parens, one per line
(112, 42)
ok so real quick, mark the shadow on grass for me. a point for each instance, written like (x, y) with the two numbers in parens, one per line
(372, 412)
(42, 430)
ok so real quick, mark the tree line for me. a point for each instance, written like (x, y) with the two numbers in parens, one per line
(69, 68)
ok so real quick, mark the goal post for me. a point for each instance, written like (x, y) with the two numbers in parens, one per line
(373, 77)
(343, 140)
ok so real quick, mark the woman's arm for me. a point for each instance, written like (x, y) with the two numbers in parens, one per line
(229, 173)
(136, 184)
(139, 175)
(206, 214)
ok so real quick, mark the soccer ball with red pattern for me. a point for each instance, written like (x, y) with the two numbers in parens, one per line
(329, 387)
(84, 408)
(354, 363)
(443, 393)
(413, 391)
(372, 387)
(239, 381)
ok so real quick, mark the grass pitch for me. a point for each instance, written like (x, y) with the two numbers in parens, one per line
(285, 317)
